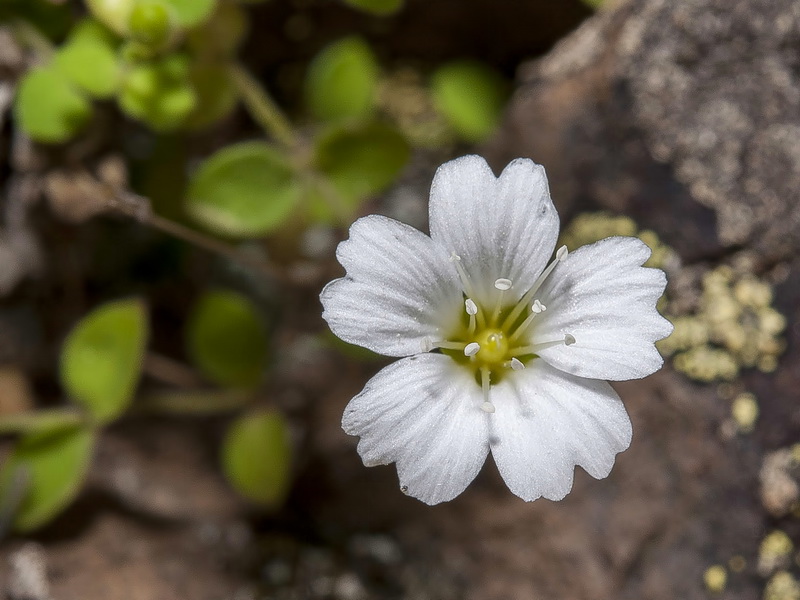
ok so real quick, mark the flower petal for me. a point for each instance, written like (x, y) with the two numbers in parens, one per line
(546, 422)
(501, 228)
(400, 288)
(602, 296)
(422, 412)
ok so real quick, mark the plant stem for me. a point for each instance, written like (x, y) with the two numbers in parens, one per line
(262, 107)
(29, 421)
(138, 207)
(201, 240)
(195, 402)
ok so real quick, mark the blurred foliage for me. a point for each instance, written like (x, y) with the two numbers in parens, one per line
(52, 466)
(168, 71)
(227, 340)
(102, 358)
(342, 80)
(244, 190)
(471, 96)
(377, 7)
(256, 457)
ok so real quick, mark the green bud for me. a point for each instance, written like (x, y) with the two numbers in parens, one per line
(114, 14)
(151, 23)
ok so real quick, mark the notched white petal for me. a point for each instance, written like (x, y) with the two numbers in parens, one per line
(601, 295)
(422, 413)
(503, 229)
(547, 422)
(399, 289)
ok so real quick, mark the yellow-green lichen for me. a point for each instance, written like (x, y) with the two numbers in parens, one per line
(734, 326)
(782, 586)
(588, 228)
(744, 411)
(774, 552)
(715, 578)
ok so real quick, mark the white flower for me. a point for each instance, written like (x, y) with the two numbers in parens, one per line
(503, 352)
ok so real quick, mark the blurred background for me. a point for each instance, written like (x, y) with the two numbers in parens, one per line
(174, 178)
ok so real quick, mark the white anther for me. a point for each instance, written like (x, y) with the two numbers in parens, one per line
(470, 306)
(503, 284)
(561, 253)
(569, 339)
(427, 344)
(538, 307)
(472, 349)
(455, 257)
(517, 364)
(487, 407)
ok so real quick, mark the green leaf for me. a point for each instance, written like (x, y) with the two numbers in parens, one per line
(91, 30)
(52, 467)
(244, 190)
(114, 14)
(471, 96)
(159, 92)
(227, 340)
(256, 457)
(216, 95)
(221, 35)
(90, 65)
(101, 360)
(48, 108)
(151, 23)
(359, 162)
(377, 7)
(192, 12)
(342, 81)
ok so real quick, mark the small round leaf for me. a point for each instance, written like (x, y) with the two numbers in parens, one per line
(90, 65)
(227, 339)
(359, 162)
(150, 22)
(50, 468)
(192, 12)
(101, 360)
(342, 80)
(216, 95)
(381, 8)
(471, 96)
(48, 108)
(159, 93)
(244, 190)
(114, 14)
(256, 458)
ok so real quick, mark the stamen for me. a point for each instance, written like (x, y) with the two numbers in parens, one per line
(503, 285)
(487, 405)
(536, 309)
(447, 345)
(472, 310)
(561, 254)
(472, 349)
(462, 274)
(517, 364)
(568, 340)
